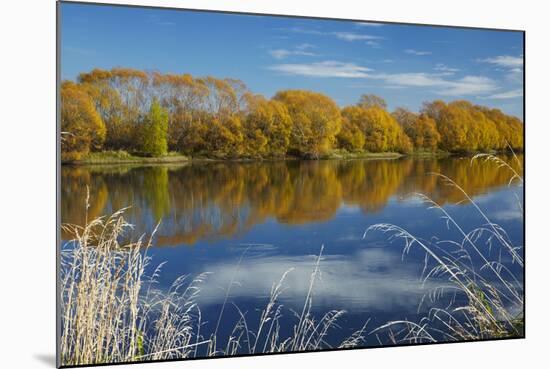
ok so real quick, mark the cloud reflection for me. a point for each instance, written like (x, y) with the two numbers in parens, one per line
(371, 279)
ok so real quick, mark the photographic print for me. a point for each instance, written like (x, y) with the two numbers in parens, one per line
(244, 184)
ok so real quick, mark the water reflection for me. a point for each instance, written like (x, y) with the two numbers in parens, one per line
(372, 279)
(210, 201)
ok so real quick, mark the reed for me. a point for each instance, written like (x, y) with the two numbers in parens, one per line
(112, 311)
(482, 297)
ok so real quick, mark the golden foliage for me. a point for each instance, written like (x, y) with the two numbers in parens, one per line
(316, 121)
(220, 118)
(81, 126)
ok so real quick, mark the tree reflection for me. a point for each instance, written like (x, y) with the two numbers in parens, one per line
(211, 200)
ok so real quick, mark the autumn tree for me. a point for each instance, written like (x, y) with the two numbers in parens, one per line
(420, 128)
(372, 101)
(181, 95)
(223, 137)
(350, 136)
(121, 98)
(82, 128)
(208, 116)
(267, 127)
(381, 130)
(316, 121)
(154, 131)
(510, 129)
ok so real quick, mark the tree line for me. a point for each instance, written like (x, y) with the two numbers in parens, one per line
(150, 114)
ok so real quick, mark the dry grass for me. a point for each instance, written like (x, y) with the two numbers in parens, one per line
(485, 298)
(111, 311)
(109, 306)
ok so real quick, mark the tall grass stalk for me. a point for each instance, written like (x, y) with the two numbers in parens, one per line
(112, 311)
(486, 298)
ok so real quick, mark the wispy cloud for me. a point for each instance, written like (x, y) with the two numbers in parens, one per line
(325, 69)
(417, 52)
(350, 36)
(300, 50)
(507, 95)
(468, 85)
(505, 61)
(511, 65)
(440, 67)
(284, 53)
(345, 36)
(305, 46)
(368, 24)
(373, 43)
(374, 278)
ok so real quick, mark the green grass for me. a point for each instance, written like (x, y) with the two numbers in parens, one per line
(123, 157)
(344, 154)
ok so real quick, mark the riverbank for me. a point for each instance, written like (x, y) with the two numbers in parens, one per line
(123, 157)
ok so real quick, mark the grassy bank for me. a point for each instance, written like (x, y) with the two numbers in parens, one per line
(123, 157)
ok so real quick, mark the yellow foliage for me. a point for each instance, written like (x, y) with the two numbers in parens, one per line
(381, 131)
(316, 121)
(81, 126)
(221, 118)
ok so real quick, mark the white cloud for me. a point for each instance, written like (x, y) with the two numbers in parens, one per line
(324, 69)
(346, 36)
(507, 95)
(443, 68)
(373, 43)
(512, 66)
(305, 46)
(468, 85)
(350, 36)
(283, 53)
(506, 215)
(417, 52)
(506, 61)
(368, 24)
(374, 278)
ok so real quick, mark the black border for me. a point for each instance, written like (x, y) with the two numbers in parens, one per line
(58, 176)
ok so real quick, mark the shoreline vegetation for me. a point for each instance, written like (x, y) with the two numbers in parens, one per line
(127, 115)
(111, 310)
(123, 157)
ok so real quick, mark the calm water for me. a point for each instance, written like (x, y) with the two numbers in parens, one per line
(277, 215)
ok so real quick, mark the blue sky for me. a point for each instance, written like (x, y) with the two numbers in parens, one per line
(405, 64)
